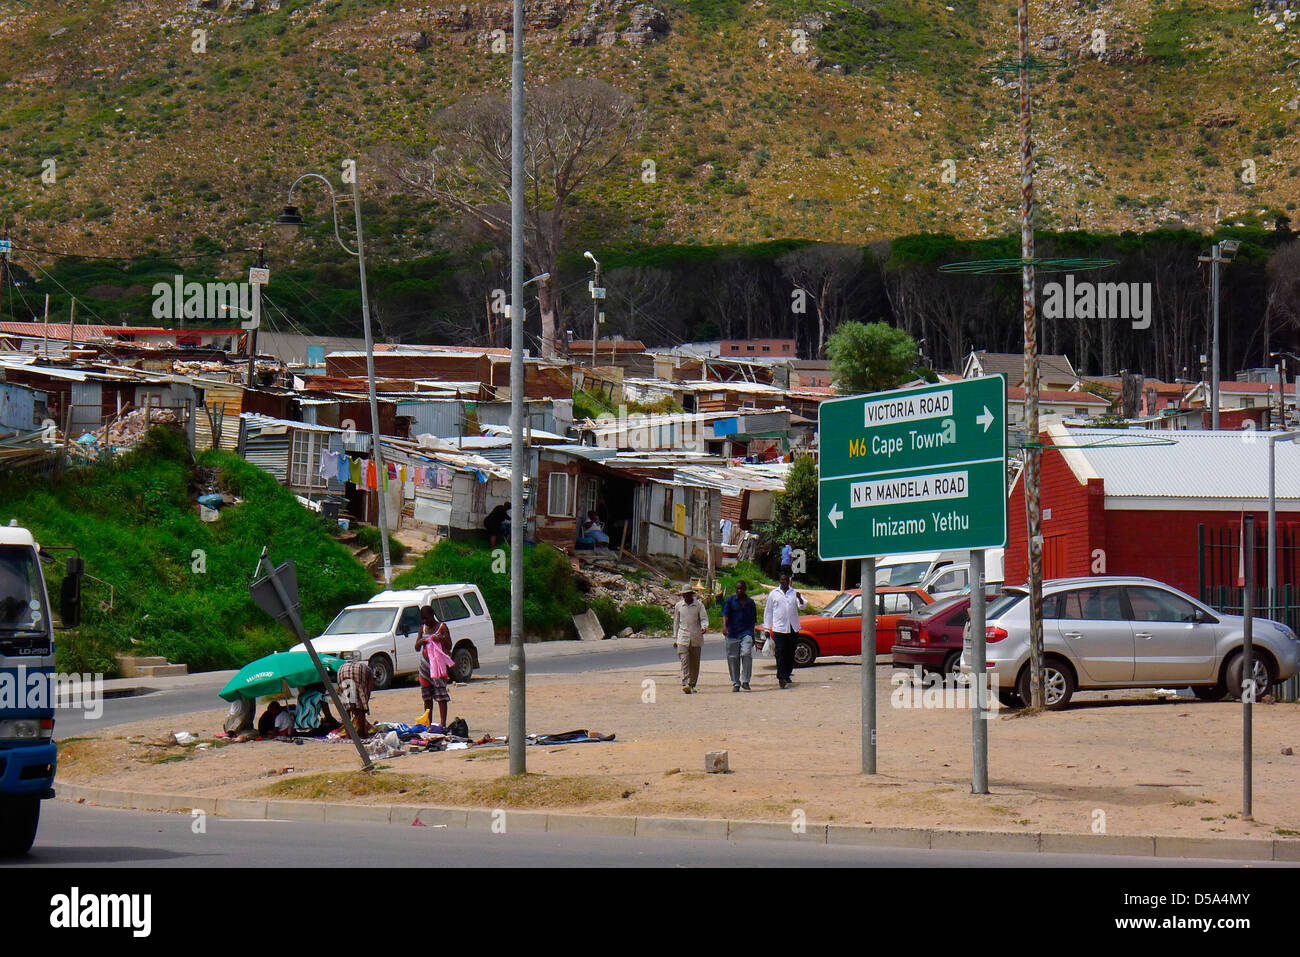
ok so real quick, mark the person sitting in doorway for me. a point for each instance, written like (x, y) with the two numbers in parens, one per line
(593, 531)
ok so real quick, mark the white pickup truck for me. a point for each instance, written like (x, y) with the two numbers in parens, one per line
(384, 629)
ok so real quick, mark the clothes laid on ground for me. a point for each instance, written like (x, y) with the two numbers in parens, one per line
(581, 736)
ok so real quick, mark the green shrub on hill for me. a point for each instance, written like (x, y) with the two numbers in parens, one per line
(166, 583)
(551, 596)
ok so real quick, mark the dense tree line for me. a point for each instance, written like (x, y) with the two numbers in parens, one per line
(664, 295)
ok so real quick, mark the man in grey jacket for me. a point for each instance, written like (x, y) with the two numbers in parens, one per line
(690, 622)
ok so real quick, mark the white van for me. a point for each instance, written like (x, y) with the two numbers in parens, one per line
(384, 629)
(939, 572)
(954, 578)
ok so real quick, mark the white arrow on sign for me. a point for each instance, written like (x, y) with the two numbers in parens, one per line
(986, 419)
(835, 515)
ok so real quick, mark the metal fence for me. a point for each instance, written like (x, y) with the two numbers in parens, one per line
(1220, 567)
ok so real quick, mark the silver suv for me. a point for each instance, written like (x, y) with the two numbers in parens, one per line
(1119, 632)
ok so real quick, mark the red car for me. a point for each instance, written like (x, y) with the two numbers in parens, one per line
(837, 631)
(932, 636)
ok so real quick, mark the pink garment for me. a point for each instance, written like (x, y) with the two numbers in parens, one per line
(439, 661)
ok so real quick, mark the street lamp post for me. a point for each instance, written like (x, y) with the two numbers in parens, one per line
(595, 306)
(1222, 252)
(288, 223)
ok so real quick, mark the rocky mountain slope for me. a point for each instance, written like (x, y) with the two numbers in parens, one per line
(178, 124)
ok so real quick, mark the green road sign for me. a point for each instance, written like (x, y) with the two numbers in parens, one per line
(913, 470)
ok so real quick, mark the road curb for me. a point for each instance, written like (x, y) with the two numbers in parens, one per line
(508, 821)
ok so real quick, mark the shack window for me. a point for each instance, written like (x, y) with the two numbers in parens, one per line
(557, 499)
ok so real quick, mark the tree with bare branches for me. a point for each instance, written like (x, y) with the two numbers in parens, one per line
(826, 274)
(575, 132)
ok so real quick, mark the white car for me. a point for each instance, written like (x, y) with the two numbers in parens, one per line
(383, 630)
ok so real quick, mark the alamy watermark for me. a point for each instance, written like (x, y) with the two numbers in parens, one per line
(1098, 300)
(179, 299)
(921, 690)
(37, 690)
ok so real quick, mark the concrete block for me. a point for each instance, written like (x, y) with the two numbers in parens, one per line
(181, 802)
(513, 822)
(113, 798)
(1137, 845)
(716, 762)
(863, 835)
(1009, 841)
(313, 811)
(163, 671)
(775, 831)
(435, 816)
(697, 827)
(357, 814)
(517, 822)
(74, 792)
(1286, 850)
(591, 824)
(1216, 848)
(239, 807)
(151, 802)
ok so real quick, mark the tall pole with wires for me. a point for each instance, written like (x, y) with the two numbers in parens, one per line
(516, 723)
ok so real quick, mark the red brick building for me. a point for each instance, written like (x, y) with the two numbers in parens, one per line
(1134, 509)
(756, 349)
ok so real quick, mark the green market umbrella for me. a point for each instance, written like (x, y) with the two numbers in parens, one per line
(266, 676)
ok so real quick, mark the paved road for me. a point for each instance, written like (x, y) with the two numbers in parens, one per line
(173, 696)
(74, 835)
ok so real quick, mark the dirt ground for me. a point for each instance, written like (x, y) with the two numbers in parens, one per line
(1150, 766)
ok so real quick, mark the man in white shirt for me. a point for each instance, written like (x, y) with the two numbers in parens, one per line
(781, 618)
(690, 622)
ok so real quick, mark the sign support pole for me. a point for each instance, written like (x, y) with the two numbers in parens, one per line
(868, 666)
(295, 623)
(1248, 689)
(979, 725)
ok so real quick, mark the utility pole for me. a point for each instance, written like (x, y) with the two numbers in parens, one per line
(72, 322)
(517, 726)
(4, 267)
(1033, 454)
(1222, 252)
(596, 294)
(595, 317)
(257, 316)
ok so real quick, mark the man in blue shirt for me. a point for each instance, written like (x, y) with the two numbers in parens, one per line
(739, 615)
(787, 558)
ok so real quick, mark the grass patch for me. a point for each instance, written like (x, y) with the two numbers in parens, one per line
(369, 537)
(528, 791)
(643, 619)
(180, 585)
(551, 597)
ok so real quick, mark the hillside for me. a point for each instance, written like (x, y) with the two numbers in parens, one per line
(157, 146)
(179, 586)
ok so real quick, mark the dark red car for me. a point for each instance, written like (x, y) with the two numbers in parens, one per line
(931, 636)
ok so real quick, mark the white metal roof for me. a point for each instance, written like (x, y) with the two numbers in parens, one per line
(1223, 471)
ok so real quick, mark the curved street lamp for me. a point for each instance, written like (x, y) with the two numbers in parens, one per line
(287, 225)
